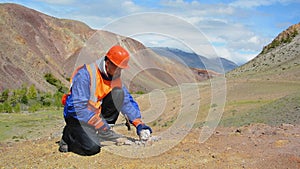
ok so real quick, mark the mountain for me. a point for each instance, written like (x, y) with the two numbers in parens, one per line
(261, 110)
(34, 44)
(266, 89)
(278, 60)
(194, 60)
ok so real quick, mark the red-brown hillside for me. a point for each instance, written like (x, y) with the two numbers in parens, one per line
(34, 44)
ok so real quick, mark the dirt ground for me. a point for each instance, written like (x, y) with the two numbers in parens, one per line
(254, 146)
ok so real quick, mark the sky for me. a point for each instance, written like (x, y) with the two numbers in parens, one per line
(233, 29)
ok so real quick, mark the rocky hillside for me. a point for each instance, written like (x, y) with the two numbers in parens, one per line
(279, 59)
(34, 44)
(266, 89)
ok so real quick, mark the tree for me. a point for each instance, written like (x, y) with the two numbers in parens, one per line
(57, 99)
(17, 108)
(32, 92)
(46, 99)
(4, 95)
(7, 107)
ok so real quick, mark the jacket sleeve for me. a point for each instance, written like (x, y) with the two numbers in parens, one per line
(131, 109)
(80, 94)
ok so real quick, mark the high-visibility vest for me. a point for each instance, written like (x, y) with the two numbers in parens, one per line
(99, 88)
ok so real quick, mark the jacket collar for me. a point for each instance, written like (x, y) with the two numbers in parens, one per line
(101, 65)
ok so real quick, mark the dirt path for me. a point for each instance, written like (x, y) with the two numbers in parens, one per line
(255, 146)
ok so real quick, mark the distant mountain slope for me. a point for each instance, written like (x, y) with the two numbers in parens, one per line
(193, 60)
(33, 44)
(278, 60)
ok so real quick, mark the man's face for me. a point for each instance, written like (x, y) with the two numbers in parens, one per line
(112, 70)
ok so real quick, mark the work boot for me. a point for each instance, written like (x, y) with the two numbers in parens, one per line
(63, 146)
(109, 135)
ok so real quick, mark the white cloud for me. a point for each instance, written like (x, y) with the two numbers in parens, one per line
(130, 7)
(257, 3)
(163, 25)
(224, 25)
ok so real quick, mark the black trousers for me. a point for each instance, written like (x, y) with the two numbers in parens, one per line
(82, 138)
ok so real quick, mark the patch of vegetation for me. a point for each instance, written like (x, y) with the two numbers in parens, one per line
(30, 99)
(22, 126)
(283, 110)
(277, 42)
(168, 123)
(139, 92)
(55, 82)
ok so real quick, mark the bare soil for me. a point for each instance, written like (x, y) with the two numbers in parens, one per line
(254, 146)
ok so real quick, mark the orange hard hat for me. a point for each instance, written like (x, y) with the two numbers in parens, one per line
(119, 56)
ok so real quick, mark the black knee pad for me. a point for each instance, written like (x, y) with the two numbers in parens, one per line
(93, 150)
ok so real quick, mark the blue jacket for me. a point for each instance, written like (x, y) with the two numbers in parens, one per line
(76, 103)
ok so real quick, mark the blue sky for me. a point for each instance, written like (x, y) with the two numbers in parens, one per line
(236, 29)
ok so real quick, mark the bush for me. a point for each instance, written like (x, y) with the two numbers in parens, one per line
(17, 108)
(139, 92)
(55, 82)
(28, 98)
(7, 108)
(35, 107)
(4, 95)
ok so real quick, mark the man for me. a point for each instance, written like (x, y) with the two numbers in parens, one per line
(95, 99)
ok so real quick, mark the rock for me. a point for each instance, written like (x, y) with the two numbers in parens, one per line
(128, 142)
(281, 143)
(286, 126)
(145, 135)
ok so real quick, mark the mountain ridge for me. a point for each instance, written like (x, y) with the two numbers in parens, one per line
(279, 59)
(194, 60)
(34, 44)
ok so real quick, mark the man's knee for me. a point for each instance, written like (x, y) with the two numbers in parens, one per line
(92, 150)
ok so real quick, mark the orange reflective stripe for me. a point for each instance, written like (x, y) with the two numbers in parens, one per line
(137, 122)
(94, 107)
(96, 121)
(99, 124)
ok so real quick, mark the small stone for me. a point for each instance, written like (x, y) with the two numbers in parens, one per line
(281, 143)
(128, 142)
(238, 131)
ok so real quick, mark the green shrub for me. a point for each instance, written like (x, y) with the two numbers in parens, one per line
(55, 82)
(35, 107)
(17, 108)
(139, 92)
(4, 95)
(7, 108)
(28, 99)
(32, 92)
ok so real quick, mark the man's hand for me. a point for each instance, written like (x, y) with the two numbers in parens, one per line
(141, 127)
